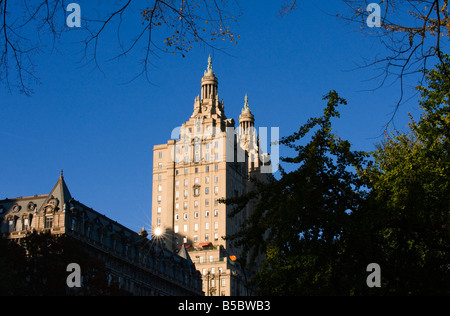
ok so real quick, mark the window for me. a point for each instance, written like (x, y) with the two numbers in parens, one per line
(160, 188)
(186, 170)
(48, 222)
(216, 190)
(176, 229)
(160, 166)
(195, 238)
(177, 217)
(10, 226)
(206, 213)
(196, 169)
(185, 193)
(207, 168)
(19, 224)
(159, 198)
(206, 202)
(185, 216)
(177, 183)
(216, 167)
(216, 179)
(216, 225)
(206, 237)
(159, 209)
(160, 155)
(186, 182)
(206, 190)
(195, 204)
(206, 226)
(195, 214)
(185, 229)
(159, 176)
(206, 179)
(195, 227)
(196, 192)
(177, 206)
(73, 224)
(177, 195)
(196, 181)
(216, 236)
(185, 205)
(216, 213)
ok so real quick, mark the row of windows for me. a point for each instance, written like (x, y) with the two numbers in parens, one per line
(185, 227)
(196, 194)
(25, 224)
(197, 148)
(196, 215)
(186, 170)
(196, 181)
(177, 193)
(185, 239)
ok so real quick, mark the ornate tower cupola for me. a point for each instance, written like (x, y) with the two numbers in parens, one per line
(246, 119)
(210, 83)
(207, 103)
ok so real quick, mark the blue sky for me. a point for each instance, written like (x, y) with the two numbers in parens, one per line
(101, 131)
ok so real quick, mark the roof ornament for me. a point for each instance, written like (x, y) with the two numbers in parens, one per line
(210, 70)
(246, 106)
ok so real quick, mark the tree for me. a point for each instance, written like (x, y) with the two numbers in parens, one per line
(414, 32)
(410, 182)
(320, 226)
(37, 265)
(168, 26)
(302, 222)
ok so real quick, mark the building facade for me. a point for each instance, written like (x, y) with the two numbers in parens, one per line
(137, 265)
(207, 159)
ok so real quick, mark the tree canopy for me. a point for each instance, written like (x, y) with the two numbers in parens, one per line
(320, 226)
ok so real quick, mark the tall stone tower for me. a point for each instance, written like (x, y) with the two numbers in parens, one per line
(206, 160)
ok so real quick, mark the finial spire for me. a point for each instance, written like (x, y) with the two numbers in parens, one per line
(210, 70)
(62, 173)
(246, 106)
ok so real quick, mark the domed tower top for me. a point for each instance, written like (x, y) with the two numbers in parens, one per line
(210, 83)
(246, 119)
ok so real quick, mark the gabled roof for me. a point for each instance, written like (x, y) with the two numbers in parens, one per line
(184, 254)
(59, 191)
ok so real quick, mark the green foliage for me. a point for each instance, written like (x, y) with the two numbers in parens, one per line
(302, 221)
(410, 182)
(321, 225)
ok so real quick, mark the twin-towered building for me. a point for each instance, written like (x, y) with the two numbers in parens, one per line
(207, 159)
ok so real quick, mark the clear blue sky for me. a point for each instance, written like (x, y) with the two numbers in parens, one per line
(101, 132)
